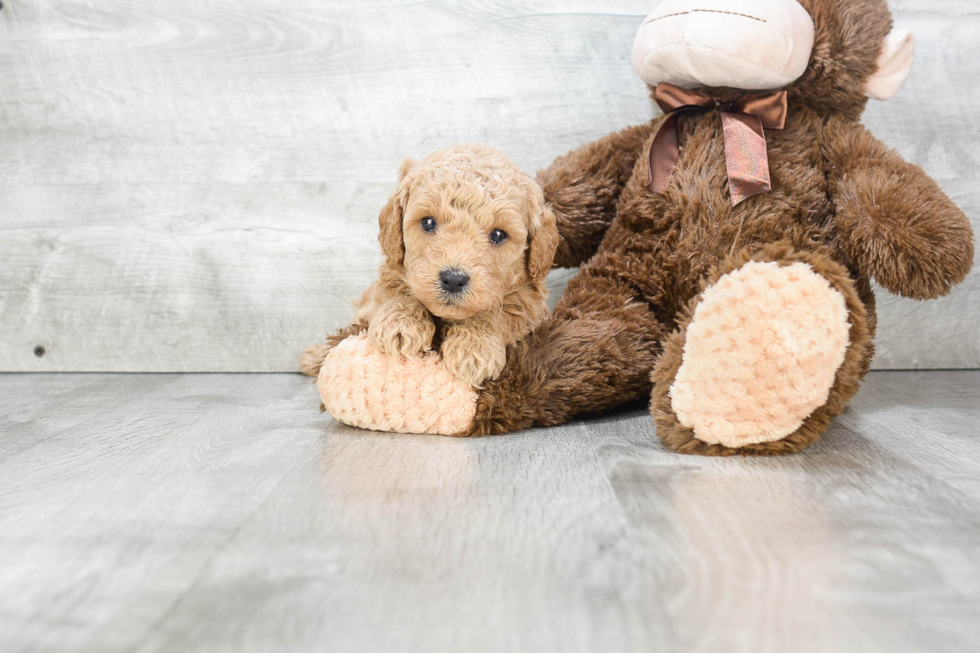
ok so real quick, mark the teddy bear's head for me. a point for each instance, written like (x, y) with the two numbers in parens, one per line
(831, 55)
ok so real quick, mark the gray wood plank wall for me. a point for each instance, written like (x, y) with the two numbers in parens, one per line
(194, 185)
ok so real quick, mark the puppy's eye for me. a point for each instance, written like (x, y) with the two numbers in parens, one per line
(497, 237)
(428, 224)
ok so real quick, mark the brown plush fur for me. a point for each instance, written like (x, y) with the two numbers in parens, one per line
(469, 190)
(841, 201)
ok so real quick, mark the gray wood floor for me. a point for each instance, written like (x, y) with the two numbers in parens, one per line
(222, 513)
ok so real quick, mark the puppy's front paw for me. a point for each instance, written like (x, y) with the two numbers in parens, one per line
(473, 360)
(401, 332)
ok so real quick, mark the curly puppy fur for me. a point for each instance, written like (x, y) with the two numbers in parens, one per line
(465, 192)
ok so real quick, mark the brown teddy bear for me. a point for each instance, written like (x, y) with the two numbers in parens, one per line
(726, 248)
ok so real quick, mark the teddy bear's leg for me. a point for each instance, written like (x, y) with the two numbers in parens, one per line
(593, 354)
(764, 358)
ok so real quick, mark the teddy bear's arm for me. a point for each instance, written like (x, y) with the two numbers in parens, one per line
(584, 186)
(895, 223)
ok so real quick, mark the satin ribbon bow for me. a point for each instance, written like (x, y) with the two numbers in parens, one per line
(744, 122)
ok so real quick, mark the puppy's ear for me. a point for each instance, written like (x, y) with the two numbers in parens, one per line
(390, 219)
(542, 244)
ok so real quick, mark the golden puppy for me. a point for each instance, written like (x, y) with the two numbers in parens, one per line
(468, 242)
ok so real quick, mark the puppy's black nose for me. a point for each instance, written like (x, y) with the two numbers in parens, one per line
(453, 281)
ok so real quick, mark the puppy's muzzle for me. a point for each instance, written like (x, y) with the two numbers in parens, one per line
(453, 281)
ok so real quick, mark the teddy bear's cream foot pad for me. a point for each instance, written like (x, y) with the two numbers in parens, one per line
(362, 387)
(761, 354)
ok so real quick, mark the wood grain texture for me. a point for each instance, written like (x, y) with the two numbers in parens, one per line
(194, 185)
(223, 513)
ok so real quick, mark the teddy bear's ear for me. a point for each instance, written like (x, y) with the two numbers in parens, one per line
(894, 65)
